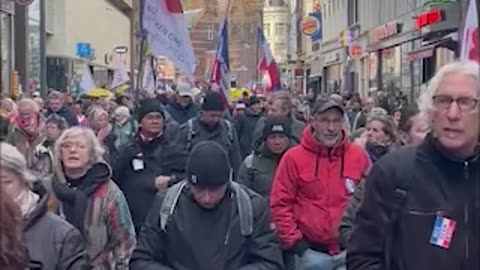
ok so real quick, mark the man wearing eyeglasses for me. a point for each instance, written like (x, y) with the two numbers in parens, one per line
(312, 186)
(421, 206)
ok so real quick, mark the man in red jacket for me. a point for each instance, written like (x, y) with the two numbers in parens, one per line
(312, 186)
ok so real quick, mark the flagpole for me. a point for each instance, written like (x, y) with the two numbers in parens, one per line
(143, 42)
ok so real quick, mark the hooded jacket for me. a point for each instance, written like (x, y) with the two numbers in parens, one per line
(245, 125)
(97, 207)
(52, 241)
(207, 239)
(311, 189)
(440, 187)
(181, 114)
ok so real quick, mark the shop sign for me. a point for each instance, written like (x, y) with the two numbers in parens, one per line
(387, 30)
(24, 2)
(355, 51)
(332, 58)
(298, 73)
(429, 18)
(120, 49)
(311, 26)
(84, 50)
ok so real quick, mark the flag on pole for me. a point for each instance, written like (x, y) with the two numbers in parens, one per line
(120, 76)
(87, 83)
(470, 45)
(148, 80)
(167, 33)
(267, 64)
(221, 65)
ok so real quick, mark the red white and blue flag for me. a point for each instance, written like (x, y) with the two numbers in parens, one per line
(267, 64)
(470, 43)
(221, 65)
(168, 34)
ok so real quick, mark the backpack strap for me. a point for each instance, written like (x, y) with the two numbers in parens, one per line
(249, 162)
(169, 202)
(399, 199)
(245, 210)
(190, 134)
(229, 131)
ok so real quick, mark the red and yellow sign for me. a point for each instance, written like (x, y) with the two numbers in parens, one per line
(309, 25)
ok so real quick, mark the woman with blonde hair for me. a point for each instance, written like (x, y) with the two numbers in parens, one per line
(49, 239)
(91, 201)
(100, 123)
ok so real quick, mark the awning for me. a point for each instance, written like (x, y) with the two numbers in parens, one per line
(424, 52)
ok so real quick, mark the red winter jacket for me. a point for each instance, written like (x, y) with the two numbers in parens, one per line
(311, 189)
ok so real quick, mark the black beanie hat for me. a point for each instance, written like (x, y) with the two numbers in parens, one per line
(253, 100)
(208, 165)
(213, 101)
(276, 125)
(149, 105)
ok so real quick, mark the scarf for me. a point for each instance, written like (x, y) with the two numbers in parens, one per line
(27, 201)
(75, 193)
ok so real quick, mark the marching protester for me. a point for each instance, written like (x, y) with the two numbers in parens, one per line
(312, 186)
(9, 109)
(246, 124)
(419, 207)
(28, 135)
(280, 105)
(412, 126)
(183, 108)
(49, 239)
(209, 125)
(207, 222)
(381, 136)
(54, 126)
(124, 127)
(149, 163)
(100, 123)
(258, 169)
(91, 201)
(55, 104)
(361, 117)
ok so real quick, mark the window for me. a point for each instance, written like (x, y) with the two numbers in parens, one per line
(266, 29)
(210, 32)
(352, 10)
(280, 28)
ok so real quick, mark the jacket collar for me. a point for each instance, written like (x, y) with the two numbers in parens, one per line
(37, 213)
(438, 153)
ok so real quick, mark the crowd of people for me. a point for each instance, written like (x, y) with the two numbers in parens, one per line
(183, 180)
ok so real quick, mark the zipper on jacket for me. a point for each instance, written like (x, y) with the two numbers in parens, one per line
(466, 175)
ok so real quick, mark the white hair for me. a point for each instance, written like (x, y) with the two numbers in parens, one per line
(95, 147)
(425, 101)
(122, 111)
(12, 160)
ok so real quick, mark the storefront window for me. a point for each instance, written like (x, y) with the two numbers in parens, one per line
(5, 52)
(334, 78)
(391, 69)
(34, 45)
(372, 71)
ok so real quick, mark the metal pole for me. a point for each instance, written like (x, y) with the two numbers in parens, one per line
(43, 50)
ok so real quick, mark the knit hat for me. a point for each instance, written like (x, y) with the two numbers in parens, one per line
(213, 101)
(208, 165)
(276, 125)
(149, 105)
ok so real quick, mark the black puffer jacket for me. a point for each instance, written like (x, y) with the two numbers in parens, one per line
(439, 187)
(53, 242)
(201, 239)
(245, 125)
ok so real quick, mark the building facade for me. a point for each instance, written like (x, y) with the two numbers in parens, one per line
(276, 19)
(7, 11)
(96, 32)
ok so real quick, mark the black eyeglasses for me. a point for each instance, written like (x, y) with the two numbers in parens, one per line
(465, 104)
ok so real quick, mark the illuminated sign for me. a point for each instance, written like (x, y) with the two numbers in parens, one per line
(355, 51)
(429, 18)
(387, 30)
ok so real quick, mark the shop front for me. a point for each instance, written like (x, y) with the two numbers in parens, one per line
(333, 71)
(404, 54)
(6, 45)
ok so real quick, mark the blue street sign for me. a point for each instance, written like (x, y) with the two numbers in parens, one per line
(84, 50)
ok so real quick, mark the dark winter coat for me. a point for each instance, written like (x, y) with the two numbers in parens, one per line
(245, 125)
(348, 218)
(68, 115)
(53, 242)
(200, 239)
(439, 187)
(181, 114)
(159, 158)
(219, 135)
